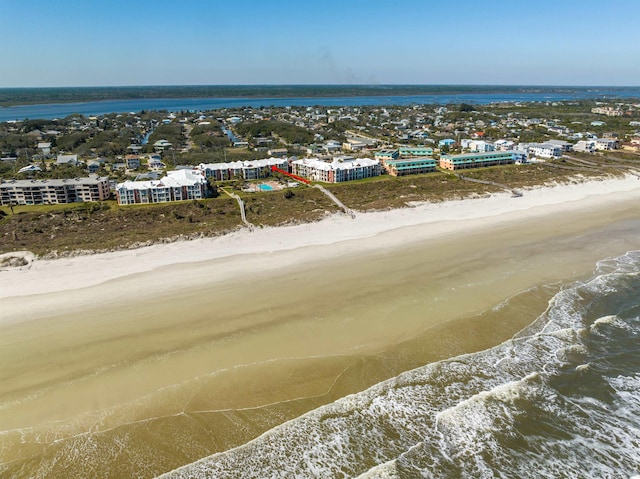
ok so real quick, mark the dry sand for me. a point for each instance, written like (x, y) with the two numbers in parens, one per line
(271, 249)
(133, 363)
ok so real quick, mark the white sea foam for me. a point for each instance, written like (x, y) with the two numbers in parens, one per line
(496, 413)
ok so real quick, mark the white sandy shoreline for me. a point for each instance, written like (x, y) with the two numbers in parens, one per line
(380, 229)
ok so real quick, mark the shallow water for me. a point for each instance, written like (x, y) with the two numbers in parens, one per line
(140, 389)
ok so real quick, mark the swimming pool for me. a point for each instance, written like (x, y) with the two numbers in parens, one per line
(265, 187)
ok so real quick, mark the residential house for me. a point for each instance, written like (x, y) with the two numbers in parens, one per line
(585, 146)
(162, 145)
(93, 166)
(564, 145)
(132, 162)
(504, 145)
(155, 163)
(279, 152)
(71, 160)
(45, 148)
(604, 144)
(541, 150)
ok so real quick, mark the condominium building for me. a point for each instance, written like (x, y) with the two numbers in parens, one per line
(177, 185)
(341, 168)
(410, 166)
(415, 151)
(476, 160)
(385, 155)
(249, 170)
(53, 191)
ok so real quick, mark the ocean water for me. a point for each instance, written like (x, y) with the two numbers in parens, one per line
(560, 399)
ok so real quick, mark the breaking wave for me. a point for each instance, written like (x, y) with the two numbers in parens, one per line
(560, 399)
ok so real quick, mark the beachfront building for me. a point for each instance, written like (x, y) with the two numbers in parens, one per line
(564, 145)
(410, 166)
(178, 185)
(53, 191)
(385, 155)
(341, 168)
(249, 170)
(585, 146)
(476, 160)
(541, 150)
(604, 144)
(419, 151)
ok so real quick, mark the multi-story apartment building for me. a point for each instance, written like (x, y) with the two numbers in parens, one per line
(476, 160)
(249, 170)
(53, 191)
(341, 168)
(386, 155)
(178, 185)
(409, 166)
(415, 151)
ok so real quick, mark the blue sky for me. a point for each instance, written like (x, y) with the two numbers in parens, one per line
(196, 42)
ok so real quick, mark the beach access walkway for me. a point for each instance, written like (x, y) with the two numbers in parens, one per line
(243, 213)
(333, 198)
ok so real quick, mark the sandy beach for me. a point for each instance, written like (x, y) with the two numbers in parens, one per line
(271, 249)
(194, 347)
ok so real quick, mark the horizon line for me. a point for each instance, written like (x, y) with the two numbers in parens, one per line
(367, 85)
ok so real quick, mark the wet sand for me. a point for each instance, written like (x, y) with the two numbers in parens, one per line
(141, 374)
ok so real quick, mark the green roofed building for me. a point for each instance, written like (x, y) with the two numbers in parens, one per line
(410, 166)
(415, 151)
(385, 155)
(476, 160)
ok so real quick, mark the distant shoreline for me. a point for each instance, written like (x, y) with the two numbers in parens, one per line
(10, 97)
(49, 105)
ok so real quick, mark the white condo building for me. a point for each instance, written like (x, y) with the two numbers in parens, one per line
(249, 170)
(53, 191)
(178, 185)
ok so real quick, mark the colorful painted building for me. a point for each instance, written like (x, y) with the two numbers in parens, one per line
(476, 160)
